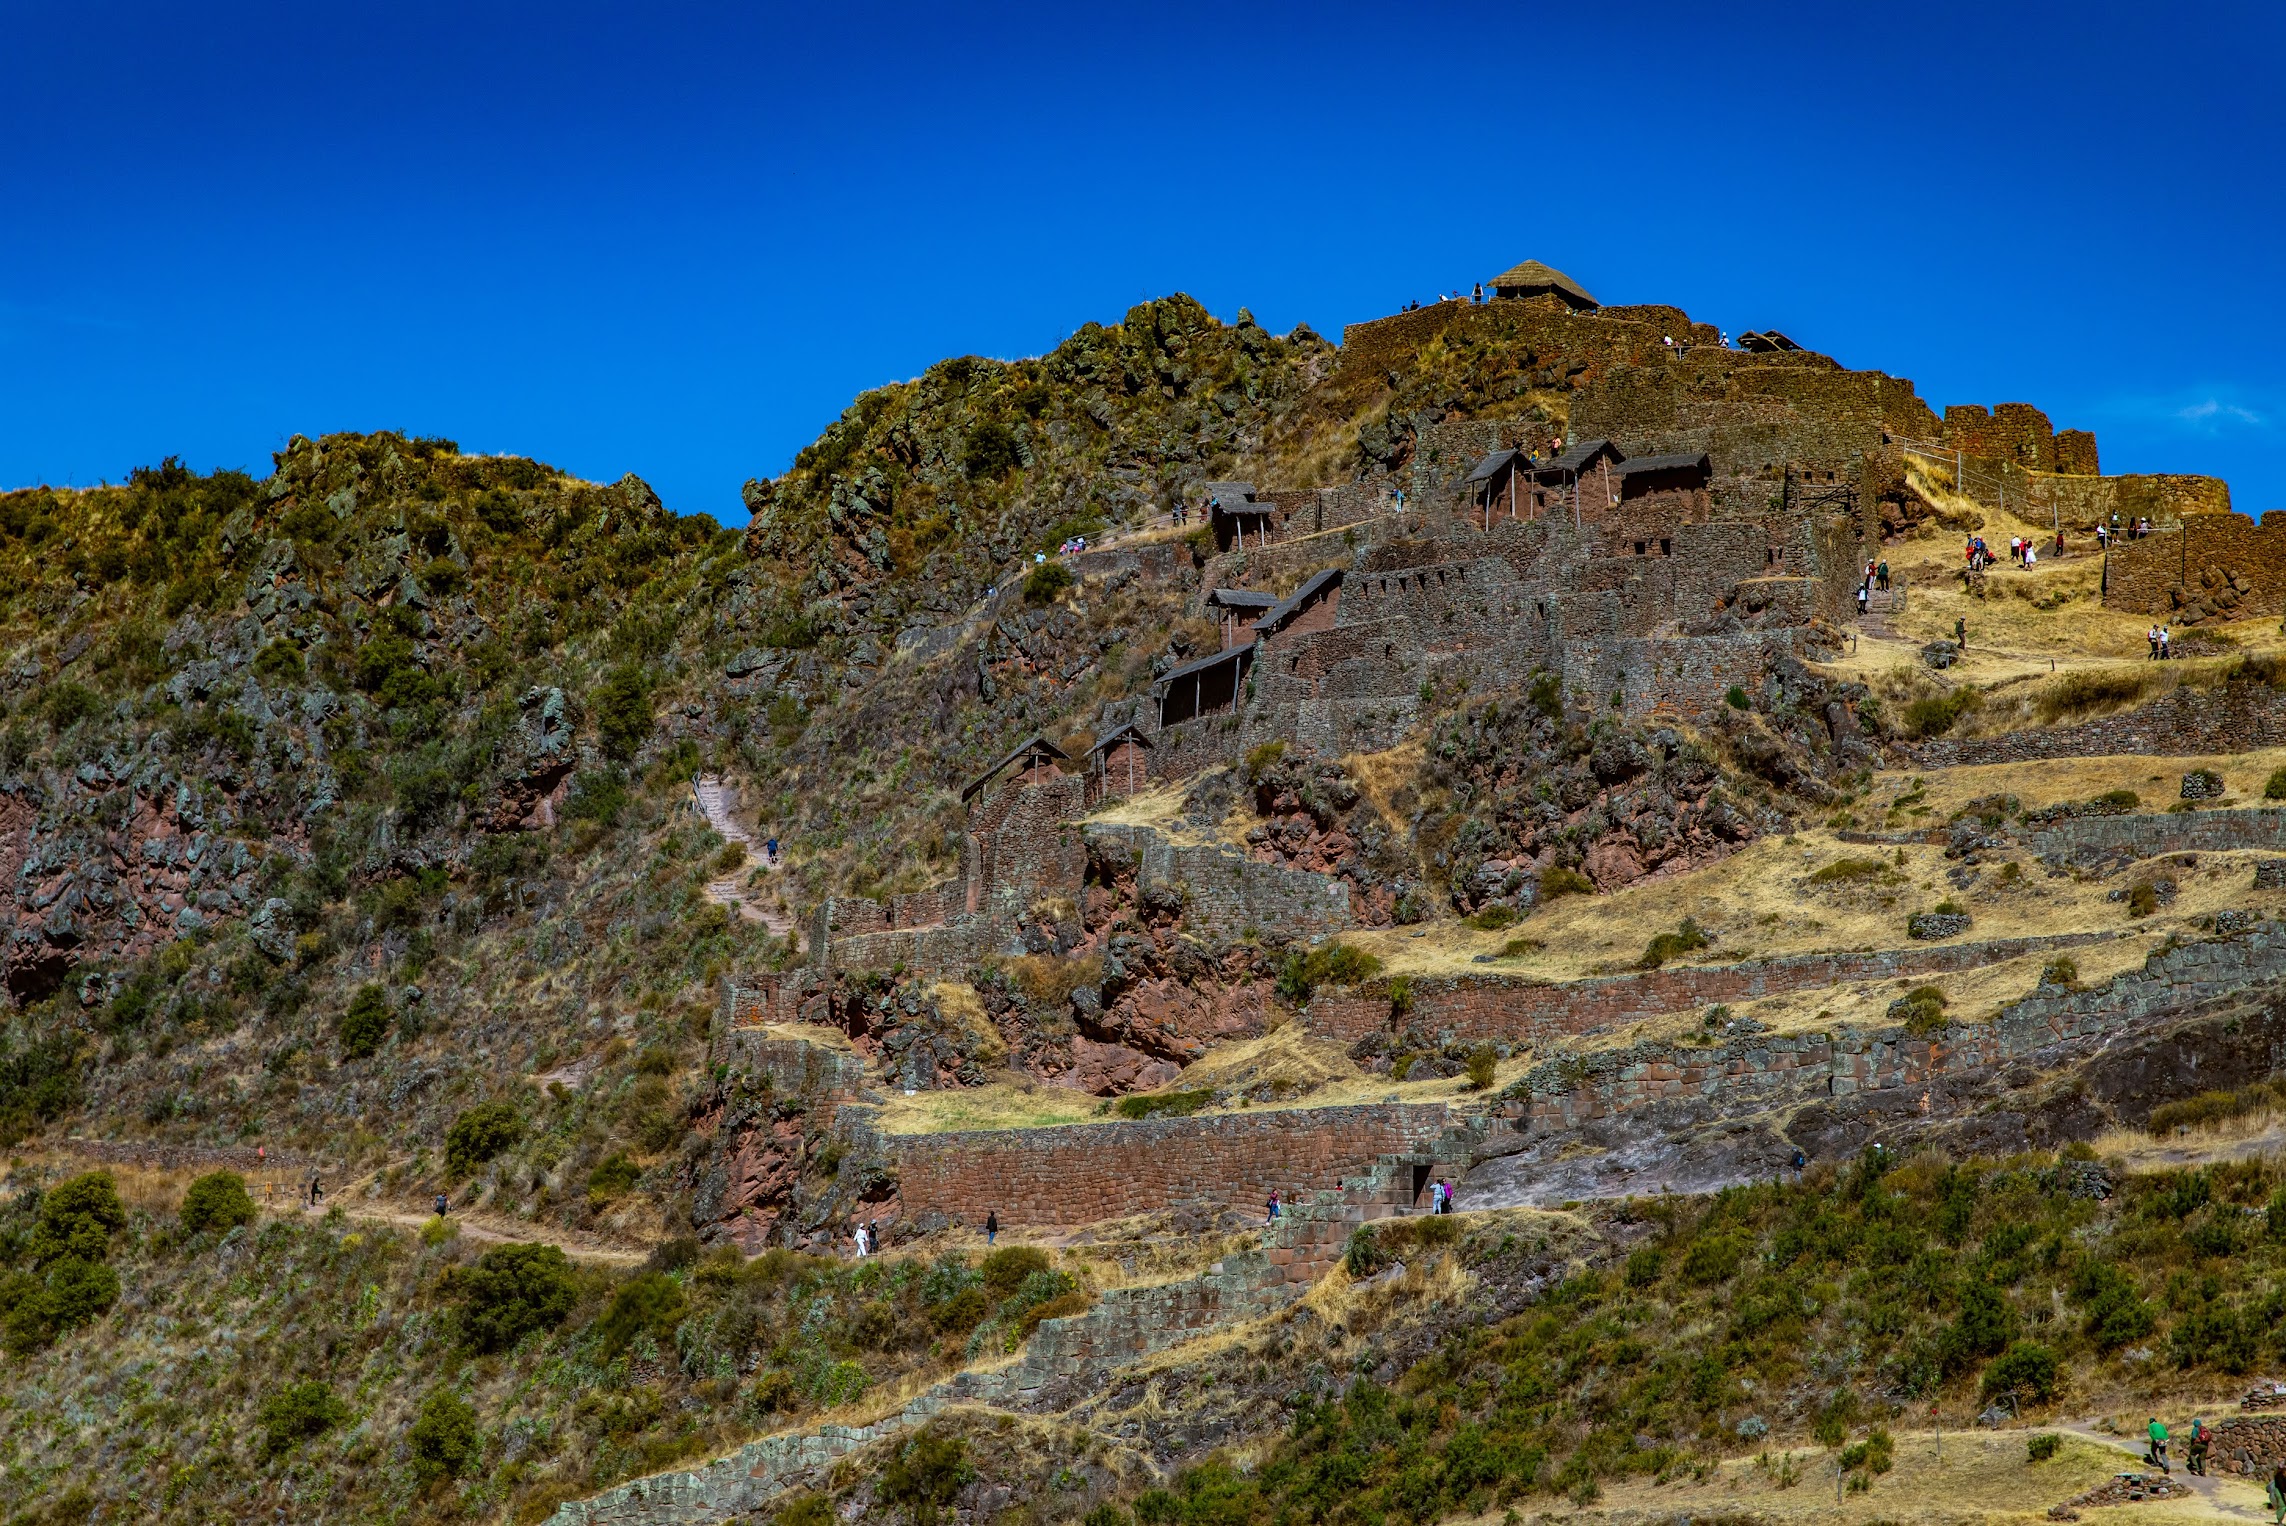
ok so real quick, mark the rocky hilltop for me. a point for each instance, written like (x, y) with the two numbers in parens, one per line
(1545, 749)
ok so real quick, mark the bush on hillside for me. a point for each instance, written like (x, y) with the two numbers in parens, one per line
(2027, 1369)
(297, 1413)
(621, 705)
(1006, 1268)
(1331, 964)
(217, 1200)
(1046, 580)
(925, 1474)
(1688, 938)
(444, 1439)
(1483, 1064)
(1557, 880)
(365, 1024)
(2041, 1447)
(1175, 1104)
(652, 1304)
(1934, 714)
(480, 1134)
(512, 1291)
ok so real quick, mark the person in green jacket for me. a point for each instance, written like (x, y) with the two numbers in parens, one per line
(2157, 1456)
(2278, 1494)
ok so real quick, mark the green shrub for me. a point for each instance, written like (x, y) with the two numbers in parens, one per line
(1873, 1456)
(444, 1439)
(217, 1200)
(1362, 1256)
(1736, 698)
(365, 1024)
(1400, 995)
(2042, 1445)
(806, 1510)
(614, 1176)
(960, 1313)
(651, 1304)
(1685, 939)
(925, 1474)
(2274, 787)
(1713, 1258)
(1921, 1010)
(77, 1219)
(1644, 1263)
(1007, 1268)
(66, 704)
(512, 1291)
(1557, 880)
(297, 1413)
(1935, 714)
(280, 663)
(1844, 870)
(2061, 971)
(598, 795)
(480, 1134)
(1546, 694)
(1332, 964)
(2143, 899)
(1046, 580)
(991, 452)
(1493, 918)
(2027, 1369)
(1177, 1104)
(621, 705)
(1482, 1064)
(1260, 760)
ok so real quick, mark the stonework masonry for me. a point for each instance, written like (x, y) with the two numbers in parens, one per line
(2209, 566)
(1226, 895)
(1488, 1008)
(2233, 717)
(1083, 1173)
(2085, 840)
(1677, 1085)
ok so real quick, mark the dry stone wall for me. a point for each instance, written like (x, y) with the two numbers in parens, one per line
(1679, 1084)
(2234, 717)
(1490, 1009)
(1083, 1173)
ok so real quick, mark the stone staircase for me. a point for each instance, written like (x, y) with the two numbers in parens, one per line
(713, 798)
(1067, 1359)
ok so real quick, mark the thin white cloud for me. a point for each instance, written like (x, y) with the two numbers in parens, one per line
(2214, 411)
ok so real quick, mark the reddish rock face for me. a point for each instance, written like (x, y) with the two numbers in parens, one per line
(112, 877)
(763, 1165)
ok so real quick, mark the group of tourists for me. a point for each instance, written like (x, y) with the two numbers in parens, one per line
(1074, 544)
(868, 1237)
(1875, 577)
(2162, 643)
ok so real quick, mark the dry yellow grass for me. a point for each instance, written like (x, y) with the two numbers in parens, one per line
(1013, 1103)
(1966, 1477)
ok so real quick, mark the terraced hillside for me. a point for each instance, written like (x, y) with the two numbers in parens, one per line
(1456, 757)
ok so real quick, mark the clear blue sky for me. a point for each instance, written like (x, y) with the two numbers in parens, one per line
(676, 240)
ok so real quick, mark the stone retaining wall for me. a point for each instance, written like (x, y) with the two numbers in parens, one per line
(1226, 895)
(2249, 1444)
(1682, 1084)
(1491, 1008)
(2087, 839)
(1083, 1173)
(2232, 717)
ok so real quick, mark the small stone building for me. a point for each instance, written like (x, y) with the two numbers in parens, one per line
(1236, 610)
(1116, 764)
(1533, 279)
(1580, 483)
(1207, 686)
(1238, 518)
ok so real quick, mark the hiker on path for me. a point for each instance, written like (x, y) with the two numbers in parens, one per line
(2031, 556)
(2195, 1451)
(2157, 1456)
(1861, 601)
(2152, 636)
(2277, 1492)
(1881, 577)
(2166, 643)
(442, 1205)
(770, 850)
(872, 1237)
(1270, 1211)
(1960, 634)
(991, 1226)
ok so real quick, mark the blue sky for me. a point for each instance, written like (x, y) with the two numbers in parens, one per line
(677, 240)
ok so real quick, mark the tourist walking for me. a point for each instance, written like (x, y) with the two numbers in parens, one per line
(2152, 636)
(1861, 601)
(2157, 1456)
(2166, 643)
(991, 1226)
(2195, 1450)
(2277, 1493)
(442, 1205)
(1270, 1209)
(1881, 577)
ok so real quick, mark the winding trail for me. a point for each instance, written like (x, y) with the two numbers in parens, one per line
(713, 798)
